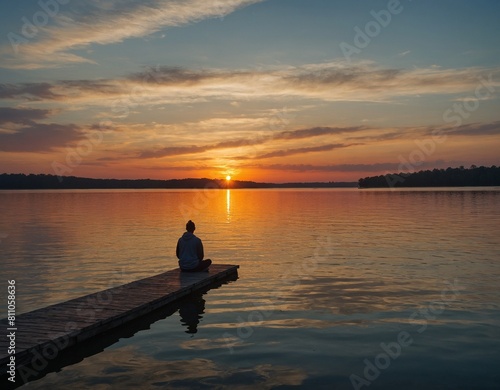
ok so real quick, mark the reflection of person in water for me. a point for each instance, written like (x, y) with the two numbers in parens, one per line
(191, 310)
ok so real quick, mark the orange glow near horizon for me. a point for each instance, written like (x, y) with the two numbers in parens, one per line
(244, 111)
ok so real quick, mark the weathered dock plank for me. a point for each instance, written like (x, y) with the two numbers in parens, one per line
(65, 324)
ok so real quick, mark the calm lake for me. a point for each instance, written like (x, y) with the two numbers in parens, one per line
(340, 288)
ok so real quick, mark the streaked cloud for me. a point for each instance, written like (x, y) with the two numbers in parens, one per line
(304, 150)
(192, 149)
(375, 167)
(316, 131)
(334, 81)
(254, 141)
(81, 25)
(350, 136)
(475, 129)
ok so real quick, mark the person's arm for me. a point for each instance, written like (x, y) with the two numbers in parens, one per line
(200, 251)
(177, 250)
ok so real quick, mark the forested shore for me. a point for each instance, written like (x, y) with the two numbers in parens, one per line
(19, 181)
(450, 177)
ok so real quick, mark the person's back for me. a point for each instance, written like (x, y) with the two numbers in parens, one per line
(189, 251)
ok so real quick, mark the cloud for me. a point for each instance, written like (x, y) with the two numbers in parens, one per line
(192, 149)
(78, 26)
(387, 167)
(328, 168)
(28, 91)
(23, 116)
(334, 81)
(40, 138)
(475, 129)
(24, 134)
(259, 140)
(359, 134)
(175, 151)
(310, 149)
(316, 131)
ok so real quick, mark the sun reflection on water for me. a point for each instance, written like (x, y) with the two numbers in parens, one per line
(228, 205)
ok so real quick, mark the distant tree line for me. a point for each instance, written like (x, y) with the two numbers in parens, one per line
(450, 177)
(27, 182)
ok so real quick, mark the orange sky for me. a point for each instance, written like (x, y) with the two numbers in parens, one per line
(194, 90)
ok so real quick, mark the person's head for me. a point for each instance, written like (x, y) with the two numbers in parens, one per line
(190, 227)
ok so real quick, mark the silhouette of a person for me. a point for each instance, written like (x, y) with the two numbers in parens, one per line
(189, 251)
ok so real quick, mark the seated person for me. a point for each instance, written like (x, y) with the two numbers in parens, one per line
(189, 251)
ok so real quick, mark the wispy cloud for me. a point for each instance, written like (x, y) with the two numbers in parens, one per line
(316, 131)
(327, 82)
(304, 150)
(474, 129)
(193, 149)
(392, 167)
(328, 168)
(349, 136)
(96, 22)
(404, 53)
(254, 141)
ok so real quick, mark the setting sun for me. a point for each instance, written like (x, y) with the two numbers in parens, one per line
(228, 177)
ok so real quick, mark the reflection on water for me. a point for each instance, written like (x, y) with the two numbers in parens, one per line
(190, 309)
(191, 312)
(126, 367)
(326, 276)
(228, 205)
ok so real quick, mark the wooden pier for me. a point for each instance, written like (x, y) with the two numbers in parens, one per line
(43, 333)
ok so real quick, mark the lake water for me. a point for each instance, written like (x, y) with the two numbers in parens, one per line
(337, 288)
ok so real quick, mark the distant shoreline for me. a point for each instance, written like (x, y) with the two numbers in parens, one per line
(52, 182)
(449, 177)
